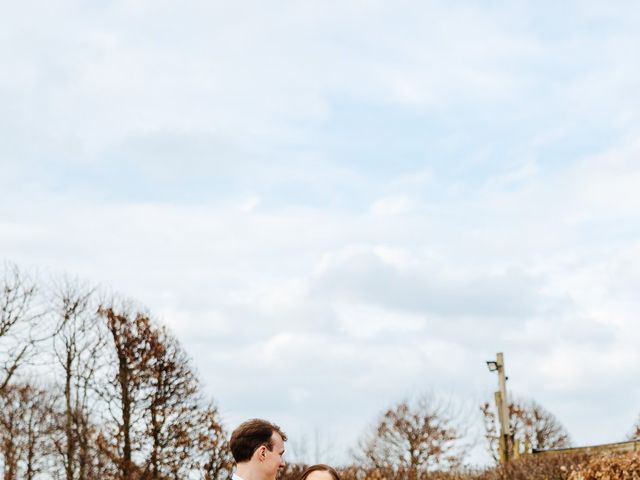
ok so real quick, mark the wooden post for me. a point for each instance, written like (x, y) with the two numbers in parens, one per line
(502, 405)
(505, 420)
(502, 446)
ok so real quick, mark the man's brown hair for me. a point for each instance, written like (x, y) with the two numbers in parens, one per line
(250, 435)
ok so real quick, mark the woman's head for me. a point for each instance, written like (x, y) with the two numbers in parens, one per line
(319, 472)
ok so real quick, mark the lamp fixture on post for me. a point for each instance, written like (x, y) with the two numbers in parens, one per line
(493, 365)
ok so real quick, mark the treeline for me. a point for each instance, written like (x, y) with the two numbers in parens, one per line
(92, 387)
(555, 467)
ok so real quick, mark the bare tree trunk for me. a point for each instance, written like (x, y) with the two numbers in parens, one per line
(30, 473)
(77, 345)
(70, 437)
(10, 459)
(123, 378)
(155, 433)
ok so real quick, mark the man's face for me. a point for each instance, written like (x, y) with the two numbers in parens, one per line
(273, 460)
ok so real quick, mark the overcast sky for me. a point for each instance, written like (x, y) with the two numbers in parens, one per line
(337, 204)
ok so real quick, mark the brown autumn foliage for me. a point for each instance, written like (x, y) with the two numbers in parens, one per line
(212, 452)
(122, 402)
(609, 467)
(353, 472)
(537, 467)
(26, 423)
(132, 342)
(358, 473)
(413, 437)
(531, 467)
(121, 399)
(531, 424)
(162, 430)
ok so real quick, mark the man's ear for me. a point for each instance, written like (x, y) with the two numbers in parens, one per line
(262, 452)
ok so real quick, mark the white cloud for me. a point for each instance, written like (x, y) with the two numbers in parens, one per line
(334, 203)
(392, 206)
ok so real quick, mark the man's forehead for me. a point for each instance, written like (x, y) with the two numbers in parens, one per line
(277, 439)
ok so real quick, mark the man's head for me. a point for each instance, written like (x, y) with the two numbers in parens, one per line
(257, 447)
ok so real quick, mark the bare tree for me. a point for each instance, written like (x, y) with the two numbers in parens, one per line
(635, 431)
(531, 424)
(171, 406)
(158, 427)
(308, 450)
(78, 346)
(152, 422)
(186, 438)
(211, 452)
(26, 421)
(413, 436)
(19, 333)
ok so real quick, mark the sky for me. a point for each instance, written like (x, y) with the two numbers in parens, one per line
(336, 205)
